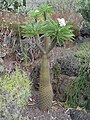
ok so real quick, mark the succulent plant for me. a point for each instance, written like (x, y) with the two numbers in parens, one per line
(50, 32)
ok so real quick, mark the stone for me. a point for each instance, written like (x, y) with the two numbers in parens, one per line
(59, 86)
(69, 65)
(84, 32)
(79, 115)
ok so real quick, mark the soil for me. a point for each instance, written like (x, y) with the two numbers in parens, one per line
(57, 112)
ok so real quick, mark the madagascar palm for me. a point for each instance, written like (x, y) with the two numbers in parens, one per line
(51, 32)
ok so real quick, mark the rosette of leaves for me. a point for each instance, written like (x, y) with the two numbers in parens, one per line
(46, 10)
(32, 28)
(59, 32)
(49, 30)
(35, 14)
(41, 12)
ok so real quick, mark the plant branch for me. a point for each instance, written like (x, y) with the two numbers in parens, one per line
(39, 46)
(52, 45)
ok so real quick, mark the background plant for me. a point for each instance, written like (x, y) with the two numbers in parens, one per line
(84, 9)
(83, 52)
(14, 94)
(86, 25)
(78, 89)
(78, 93)
(11, 5)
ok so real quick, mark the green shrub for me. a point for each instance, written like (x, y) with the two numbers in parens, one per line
(84, 9)
(14, 92)
(79, 89)
(83, 51)
(86, 25)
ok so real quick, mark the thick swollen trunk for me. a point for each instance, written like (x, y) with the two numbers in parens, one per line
(45, 90)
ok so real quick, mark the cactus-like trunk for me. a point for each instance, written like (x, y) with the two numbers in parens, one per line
(45, 90)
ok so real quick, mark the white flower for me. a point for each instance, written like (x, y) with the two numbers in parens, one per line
(61, 21)
(36, 10)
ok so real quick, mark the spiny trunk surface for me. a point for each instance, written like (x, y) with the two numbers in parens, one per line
(45, 90)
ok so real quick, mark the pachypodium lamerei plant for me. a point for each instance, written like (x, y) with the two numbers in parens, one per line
(43, 27)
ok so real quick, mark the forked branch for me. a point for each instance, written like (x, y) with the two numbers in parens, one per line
(52, 45)
(37, 39)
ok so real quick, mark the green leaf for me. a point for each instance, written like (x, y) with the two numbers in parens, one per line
(49, 27)
(32, 29)
(46, 8)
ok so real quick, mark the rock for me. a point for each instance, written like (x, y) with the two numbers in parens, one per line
(84, 36)
(59, 86)
(69, 65)
(84, 32)
(79, 115)
(81, 39)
